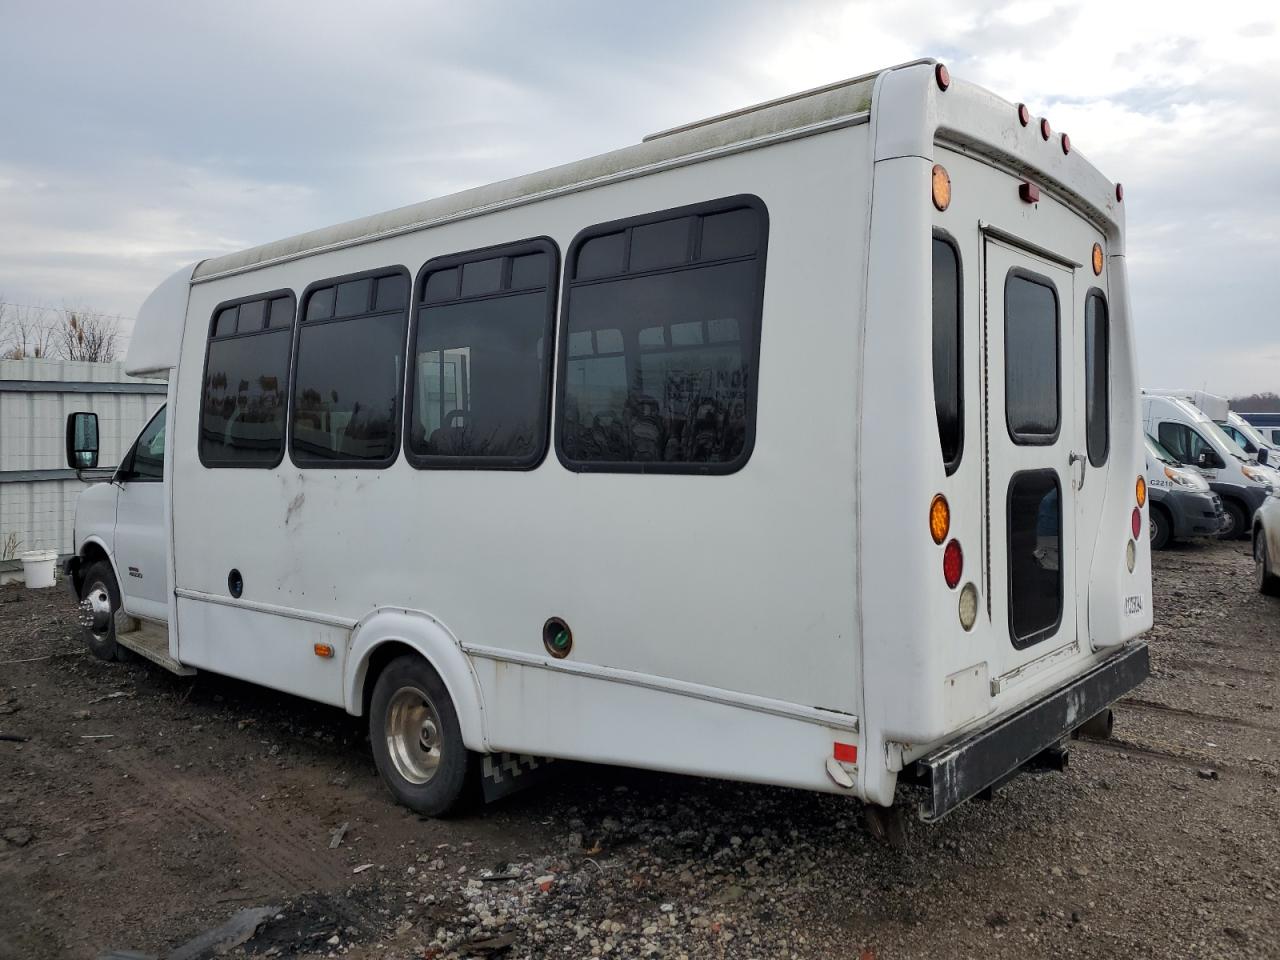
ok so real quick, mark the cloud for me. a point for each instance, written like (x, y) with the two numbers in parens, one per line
(139, 137)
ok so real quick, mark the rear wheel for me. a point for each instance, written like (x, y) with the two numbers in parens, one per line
(101, 612)
(1161, 529)
(1234, 525)
(417, 740)
(1267, 581)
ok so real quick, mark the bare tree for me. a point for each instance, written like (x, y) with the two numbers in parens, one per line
(26, 332)
(86, 335)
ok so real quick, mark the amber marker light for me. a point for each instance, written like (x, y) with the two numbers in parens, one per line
(1140, 491)
(1097, 259)
(323, 650)
(941, 187)
(939, 518)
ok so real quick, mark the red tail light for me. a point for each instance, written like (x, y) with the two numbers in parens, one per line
(1136, 522)
(952, 563)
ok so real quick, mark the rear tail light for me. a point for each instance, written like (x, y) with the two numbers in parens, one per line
(952, 563)
(968, 606)
(941, 187)
(1135, 522)
(939, 519)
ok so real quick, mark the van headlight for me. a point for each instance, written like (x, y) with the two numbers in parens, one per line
(1179, 477)
(1257, 476)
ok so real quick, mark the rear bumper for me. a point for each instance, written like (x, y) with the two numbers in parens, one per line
(959, 771)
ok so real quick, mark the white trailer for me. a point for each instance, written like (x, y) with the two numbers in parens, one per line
(598, 463)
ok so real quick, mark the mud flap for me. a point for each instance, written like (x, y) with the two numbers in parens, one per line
(505, 773)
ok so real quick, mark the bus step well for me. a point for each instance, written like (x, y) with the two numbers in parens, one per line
(151, 640)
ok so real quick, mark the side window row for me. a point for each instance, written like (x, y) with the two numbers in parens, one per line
(658, 356)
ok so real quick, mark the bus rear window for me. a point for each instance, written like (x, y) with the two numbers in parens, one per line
(948, 400)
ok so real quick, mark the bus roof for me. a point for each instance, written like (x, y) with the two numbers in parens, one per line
(812, 111)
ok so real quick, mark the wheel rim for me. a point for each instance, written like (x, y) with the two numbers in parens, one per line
(1153, 524)
(413, 735)
(96, 612)
(1229, 525)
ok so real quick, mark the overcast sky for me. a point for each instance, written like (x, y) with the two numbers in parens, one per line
(137, 137)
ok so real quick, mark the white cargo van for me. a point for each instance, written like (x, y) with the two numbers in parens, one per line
(1218, 409)
(1182, 505)
(593, 464)
(1196, 441)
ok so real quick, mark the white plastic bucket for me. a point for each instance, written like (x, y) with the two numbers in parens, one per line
(37, 568)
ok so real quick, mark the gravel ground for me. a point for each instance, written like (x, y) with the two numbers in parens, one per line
(146, 808)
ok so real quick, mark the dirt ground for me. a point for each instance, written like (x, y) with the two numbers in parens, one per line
(146, 808)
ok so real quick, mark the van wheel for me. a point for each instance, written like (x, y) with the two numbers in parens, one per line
(1161, 532)
(417, 740)
(101, 612)
(1268, 582)
(1234, 526)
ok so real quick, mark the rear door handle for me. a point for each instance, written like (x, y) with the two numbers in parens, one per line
(1072, 460)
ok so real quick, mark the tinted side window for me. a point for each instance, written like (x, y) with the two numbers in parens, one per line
(1187, 445)
(481, 381)
(948, 400)
(660, 340)
(350, 362)
(1035, 541)
(1097, 378)
(1032, 406)
(146, 459)
(246, 377)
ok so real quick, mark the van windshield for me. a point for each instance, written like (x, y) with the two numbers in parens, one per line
(1159, 452)
(1246, 428)
(1233, 448)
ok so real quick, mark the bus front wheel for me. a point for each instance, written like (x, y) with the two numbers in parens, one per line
(417, 740)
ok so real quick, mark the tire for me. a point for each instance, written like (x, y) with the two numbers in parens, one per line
(417, 740)
(1268, 582)
(1161, 528)
(1237, 524)
(101, 612)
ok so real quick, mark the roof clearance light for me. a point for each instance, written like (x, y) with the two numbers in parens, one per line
(1097, 259)
(943, 76)
(1024, 115)
(1135, 521)
(952, 563)
(941, 187)
(939, 519)
(968, 606)
(1029, 192)
(1119, 193)
(1140, 491)
(1066, 144)
(1045, 131)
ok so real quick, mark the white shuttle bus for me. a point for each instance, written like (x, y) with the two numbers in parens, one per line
(800, 445)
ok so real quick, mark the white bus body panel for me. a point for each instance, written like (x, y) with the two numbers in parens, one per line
(493, 554)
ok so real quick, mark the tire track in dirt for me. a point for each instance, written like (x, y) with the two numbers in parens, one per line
(1164, 708)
